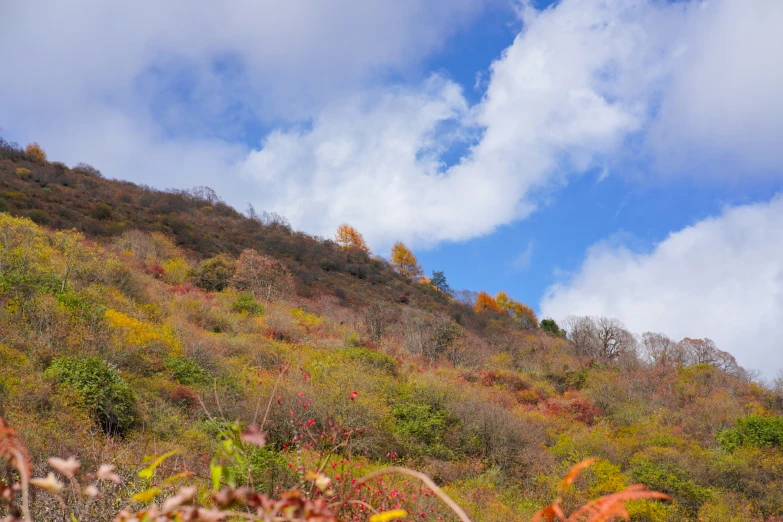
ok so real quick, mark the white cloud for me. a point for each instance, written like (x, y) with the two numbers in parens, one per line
(157, 92)
(285, 55)
(578, 82)
(523, 259)
(721, 278)
(722, 113)
(373, 160)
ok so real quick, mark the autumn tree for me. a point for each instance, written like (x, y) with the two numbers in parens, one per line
(405, 262)
(486, 303)
(263, 276)
(349, 237)
(36, 151)
(518, 311)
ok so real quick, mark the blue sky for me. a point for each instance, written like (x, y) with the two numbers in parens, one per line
(615, 158)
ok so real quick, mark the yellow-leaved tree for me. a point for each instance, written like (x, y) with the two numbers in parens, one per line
(349, 237)
(519, 311)
(403, 260)
(35, 151)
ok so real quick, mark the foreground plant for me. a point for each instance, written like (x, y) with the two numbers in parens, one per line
(169, 500)
(603, 509)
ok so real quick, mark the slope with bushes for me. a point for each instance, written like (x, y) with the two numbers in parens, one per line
(168, 322)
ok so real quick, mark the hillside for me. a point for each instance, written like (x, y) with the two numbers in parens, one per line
(134, 323)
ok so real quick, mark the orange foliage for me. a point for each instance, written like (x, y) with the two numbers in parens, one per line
(521, 312)
(349, 237)
(35, 151)
(405, 262)
(604, 509)
(485, 302)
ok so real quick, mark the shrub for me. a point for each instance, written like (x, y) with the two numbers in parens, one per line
(89, 170)
(245, 303)
(175, 271)
(754, 430)
(214, 274)
(187, 372)
(264, 469)
(141, 333)
(101, 211)
(39, 216)
(424, 424)
(263, 276)
(549, 325)
(674, 481)
(183, 397)
(102, 390)
(373, 358)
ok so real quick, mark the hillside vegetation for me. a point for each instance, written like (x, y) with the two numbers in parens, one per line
(183, 343)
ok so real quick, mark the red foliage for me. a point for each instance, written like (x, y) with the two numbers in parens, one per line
(183, 289)
(184, 397)
(511, 380)
(277, 334)
(575, 406)
(156, 271)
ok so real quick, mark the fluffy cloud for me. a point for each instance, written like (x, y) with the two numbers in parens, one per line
(581, 82)
(165, 92)
(278, 57)
(550, 106)
(722, 111)
(721, 278)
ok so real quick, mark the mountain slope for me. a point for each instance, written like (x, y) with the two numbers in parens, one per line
(112, 349)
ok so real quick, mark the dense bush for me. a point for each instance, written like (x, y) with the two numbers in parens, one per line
(247, 304)
(187, 372)
(214, 274)
(102, 390)
(674, 481)
(372, 358)
(755, 430)
(424, 426)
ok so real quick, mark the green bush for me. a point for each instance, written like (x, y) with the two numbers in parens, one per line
(549, 325)
(754, 430)
(101, 211)
(246, 303)
(214, 274)
(424, 425)
(38, 216)
(187, 372)
(264, 468)
(673, 481)
(102, 390)
(372, 358)
(81, 306)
